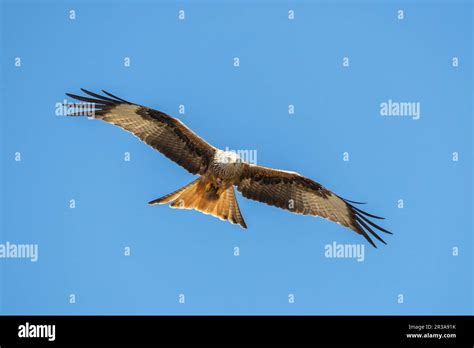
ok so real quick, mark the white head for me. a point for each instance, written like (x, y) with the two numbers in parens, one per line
(227, 157)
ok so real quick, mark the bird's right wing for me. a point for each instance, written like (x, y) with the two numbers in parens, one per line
(301, 195)
(157, 129)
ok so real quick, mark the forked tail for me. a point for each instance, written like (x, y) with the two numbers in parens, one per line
(202, 196)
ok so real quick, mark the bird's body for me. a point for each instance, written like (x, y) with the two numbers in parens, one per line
(213, 193)
(226, 165)
(219, 171)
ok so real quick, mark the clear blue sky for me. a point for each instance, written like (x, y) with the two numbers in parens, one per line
(282, 62)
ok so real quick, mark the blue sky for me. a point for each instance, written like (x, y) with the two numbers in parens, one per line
(282, 62)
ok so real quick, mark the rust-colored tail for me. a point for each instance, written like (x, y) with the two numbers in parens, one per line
(202, 196)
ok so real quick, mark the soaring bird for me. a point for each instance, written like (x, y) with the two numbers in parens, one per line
(219, 171)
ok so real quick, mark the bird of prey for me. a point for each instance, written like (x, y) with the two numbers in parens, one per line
(219, 171)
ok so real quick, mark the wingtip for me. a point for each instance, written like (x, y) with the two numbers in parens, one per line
(366, 236)
(371, 242)
(86, 91)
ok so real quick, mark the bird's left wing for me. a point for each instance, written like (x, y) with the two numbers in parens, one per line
(298, 194)
(157, 129)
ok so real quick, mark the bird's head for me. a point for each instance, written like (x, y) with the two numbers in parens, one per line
(228, 157)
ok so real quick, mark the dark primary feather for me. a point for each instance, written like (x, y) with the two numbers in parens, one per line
(159, 130)
(111, 95)
(301, 195)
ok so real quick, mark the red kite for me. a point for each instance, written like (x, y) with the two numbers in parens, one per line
(219, 171)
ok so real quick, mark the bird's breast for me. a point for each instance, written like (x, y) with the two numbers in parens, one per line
(225, 171)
